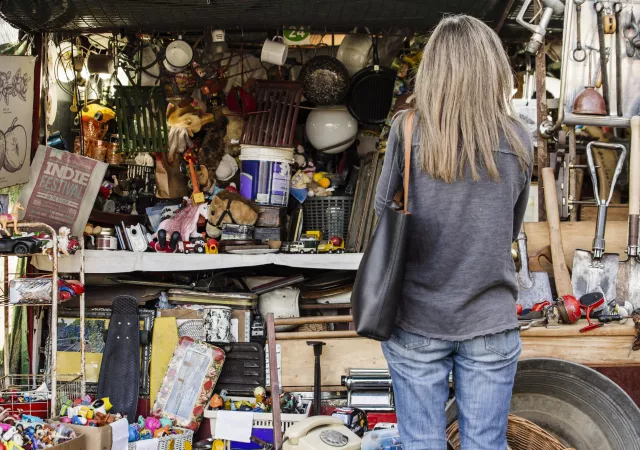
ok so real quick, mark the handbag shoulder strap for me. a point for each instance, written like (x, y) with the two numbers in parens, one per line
(408, 138)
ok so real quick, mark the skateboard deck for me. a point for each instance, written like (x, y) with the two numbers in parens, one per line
(120, 369)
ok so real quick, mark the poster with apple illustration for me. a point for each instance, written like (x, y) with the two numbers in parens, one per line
(16, 115)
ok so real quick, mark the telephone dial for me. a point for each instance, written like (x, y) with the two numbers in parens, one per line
(321, 433)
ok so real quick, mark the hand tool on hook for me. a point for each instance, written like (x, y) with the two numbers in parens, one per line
(599, 7)
(630, 32)
(617, 7)
(579, 54)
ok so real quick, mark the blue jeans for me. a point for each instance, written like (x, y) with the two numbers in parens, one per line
(483, 372)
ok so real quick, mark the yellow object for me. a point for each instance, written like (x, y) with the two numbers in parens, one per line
(217, 445)
(165, 339)
(107, 403)
(211, 249)
(227, 405)
(86, 412)
(321, 179)
(330, 247)
(197, 198)
(314, 234)
(107, 114)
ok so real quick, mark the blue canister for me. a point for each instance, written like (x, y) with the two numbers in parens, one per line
(266, 174)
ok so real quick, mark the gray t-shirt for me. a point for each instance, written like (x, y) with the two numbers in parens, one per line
(460, 278)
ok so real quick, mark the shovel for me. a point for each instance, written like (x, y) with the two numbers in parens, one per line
(533, 287)
(597, 271)
(628, 285)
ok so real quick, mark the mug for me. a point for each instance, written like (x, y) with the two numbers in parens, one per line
(274, 51)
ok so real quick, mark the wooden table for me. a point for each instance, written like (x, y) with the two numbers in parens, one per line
(602, 347)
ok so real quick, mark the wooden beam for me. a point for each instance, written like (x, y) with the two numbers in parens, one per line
(577, 235)
(606, 346)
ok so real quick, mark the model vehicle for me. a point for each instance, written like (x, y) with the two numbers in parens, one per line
(306, 244)
(333, 245)
(197, 245)
(19, 245)
(315, 234)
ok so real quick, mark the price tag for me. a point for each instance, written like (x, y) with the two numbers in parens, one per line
(295, 36)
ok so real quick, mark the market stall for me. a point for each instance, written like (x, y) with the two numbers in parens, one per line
(204, 199)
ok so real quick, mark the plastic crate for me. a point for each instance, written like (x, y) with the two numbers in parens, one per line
(261, 420)
(328, 214)
(164, 443)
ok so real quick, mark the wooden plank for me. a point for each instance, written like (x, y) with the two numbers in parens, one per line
(612, 351)
(612, 329)
(577, 235)
(601, 347)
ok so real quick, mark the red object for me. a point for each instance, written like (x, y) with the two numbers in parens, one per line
(336, 240)
(572, 307)
(540, 306)
(588, 309)
(104, 191)
(373, 417)
(240, 101)
(518, 309)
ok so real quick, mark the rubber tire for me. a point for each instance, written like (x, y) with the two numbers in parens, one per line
(582, 408)
(21, 249)
(198, 249)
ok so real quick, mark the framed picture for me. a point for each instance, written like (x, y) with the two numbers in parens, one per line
(95, 335)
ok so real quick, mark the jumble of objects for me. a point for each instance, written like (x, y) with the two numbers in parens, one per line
(213, 145)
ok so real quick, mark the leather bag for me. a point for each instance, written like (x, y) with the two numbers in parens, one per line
(377, 290)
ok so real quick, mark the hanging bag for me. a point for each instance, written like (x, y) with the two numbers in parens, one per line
(377, 290)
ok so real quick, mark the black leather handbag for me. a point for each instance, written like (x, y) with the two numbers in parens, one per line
(377, 290)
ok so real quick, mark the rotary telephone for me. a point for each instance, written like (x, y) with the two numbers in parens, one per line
(321, 433)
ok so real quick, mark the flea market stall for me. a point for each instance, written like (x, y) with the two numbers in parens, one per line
(187, 192)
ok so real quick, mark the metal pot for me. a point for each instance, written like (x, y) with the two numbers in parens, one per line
(589, 102)
(325, 80)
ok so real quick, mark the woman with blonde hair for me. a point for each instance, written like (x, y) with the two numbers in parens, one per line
(468, 190)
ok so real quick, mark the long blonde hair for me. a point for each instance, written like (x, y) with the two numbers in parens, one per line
(463, 89)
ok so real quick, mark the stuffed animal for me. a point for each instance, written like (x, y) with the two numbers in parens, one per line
(232, 137)
(229, 207)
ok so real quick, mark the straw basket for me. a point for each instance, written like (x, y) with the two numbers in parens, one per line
(521, 435)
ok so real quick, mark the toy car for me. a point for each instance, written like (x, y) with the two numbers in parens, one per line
(19, 245)
(195, 246)
(333, 245)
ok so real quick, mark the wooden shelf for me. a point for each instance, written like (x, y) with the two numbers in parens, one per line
(120, 261)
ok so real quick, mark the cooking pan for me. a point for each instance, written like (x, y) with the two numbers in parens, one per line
(371, 93)
(597, 271)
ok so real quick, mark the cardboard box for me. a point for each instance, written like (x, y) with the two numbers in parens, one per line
(79, 443)
(95, 438)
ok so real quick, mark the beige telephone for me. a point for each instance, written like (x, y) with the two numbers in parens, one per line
(321, 433)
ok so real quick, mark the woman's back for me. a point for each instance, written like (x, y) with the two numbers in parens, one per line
(460, 278)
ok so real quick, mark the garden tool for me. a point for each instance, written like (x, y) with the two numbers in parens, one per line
(599, 6)
(533, 287)
(560, 271)
(628, 285)
(617, 7)
(597, 271)
(317, 375)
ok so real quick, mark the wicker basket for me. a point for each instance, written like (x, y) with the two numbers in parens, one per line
(165, 443)
(521, 435)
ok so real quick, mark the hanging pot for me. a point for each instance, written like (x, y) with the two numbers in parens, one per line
(371, 91)
(177, 56)
(325, 80)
